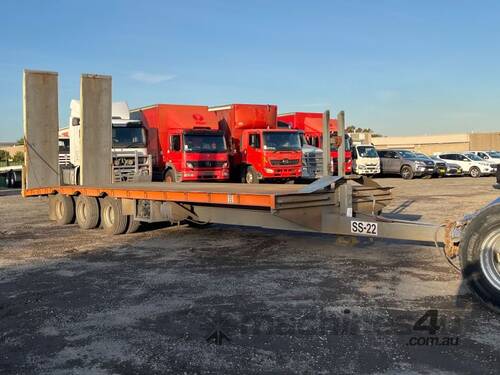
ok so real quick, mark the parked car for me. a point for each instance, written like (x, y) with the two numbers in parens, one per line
(405, 163)
(473, 166)
(491, 156)
(452, 169)
(439, 165)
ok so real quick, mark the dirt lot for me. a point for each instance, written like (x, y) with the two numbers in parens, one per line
(162, 300)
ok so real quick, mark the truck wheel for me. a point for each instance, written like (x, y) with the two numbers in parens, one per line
(407, 172)
(133, 225)
(251, 176)
(170, 176)
(475, 172)
(64, 209)
(480, 256)
(87, 212)
(112, 219)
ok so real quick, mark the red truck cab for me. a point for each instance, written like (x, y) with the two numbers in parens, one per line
(311, 123)
(258, 149)
(185, 142)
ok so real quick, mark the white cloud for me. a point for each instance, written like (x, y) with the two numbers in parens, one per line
(151, 78)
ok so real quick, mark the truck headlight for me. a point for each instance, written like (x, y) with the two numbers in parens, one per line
(225, 165)
(189, 165)
(268, 170)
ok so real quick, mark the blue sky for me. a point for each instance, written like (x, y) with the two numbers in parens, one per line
(399, 67)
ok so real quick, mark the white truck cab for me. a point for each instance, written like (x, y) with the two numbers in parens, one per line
(131, 161)
(365, 160)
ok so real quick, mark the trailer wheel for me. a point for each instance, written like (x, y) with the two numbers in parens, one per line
(475, 172)
(480, 256)
(251, 176)
(64, 209)
(112, 219)
(87, 212)
(133, 225)
(407, 172)
(170, 176)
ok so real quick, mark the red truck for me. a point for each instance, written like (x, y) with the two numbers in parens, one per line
(258, 150)
(311, 123)
(185, 142)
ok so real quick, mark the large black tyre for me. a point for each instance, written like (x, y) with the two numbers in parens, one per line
(87, 212)
(480, 256)
(64, 209)
(251, 176)
(407, 172)
(170, 176)
(133, 225)
(112, 219)
(475, 172)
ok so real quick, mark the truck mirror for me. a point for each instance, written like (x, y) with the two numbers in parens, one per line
(75, 121)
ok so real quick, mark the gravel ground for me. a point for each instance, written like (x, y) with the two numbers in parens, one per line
(239, 300)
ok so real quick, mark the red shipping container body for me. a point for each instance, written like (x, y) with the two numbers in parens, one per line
(312, 125)
(185, 142)
(258, 150)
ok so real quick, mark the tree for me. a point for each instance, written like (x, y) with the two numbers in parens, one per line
(4, 155)
(18, 157)
(350, 129)
(20, 141)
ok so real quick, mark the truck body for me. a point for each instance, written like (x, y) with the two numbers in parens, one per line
(365, 160)
(311, 123)
(185, 143)
(130, 158)
(258, 150)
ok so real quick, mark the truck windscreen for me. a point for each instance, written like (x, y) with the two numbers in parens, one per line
(282, 141)
(366, 152)
(347, 143)
(204, 143)
(129, 136)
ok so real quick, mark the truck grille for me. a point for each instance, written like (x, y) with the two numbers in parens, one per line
(207, 163)
(285, 162)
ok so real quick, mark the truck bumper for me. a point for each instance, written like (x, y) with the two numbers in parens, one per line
(368, 170)
(282, 172)
(206, 175)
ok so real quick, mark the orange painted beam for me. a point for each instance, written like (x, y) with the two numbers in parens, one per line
(230, 199)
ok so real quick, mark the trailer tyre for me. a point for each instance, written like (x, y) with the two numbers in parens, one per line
(87, 212)
(64, 209)
(251, 176)
(112, 219)
(133, 225)
(475, 172)
(480, 256)
(407, 172)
